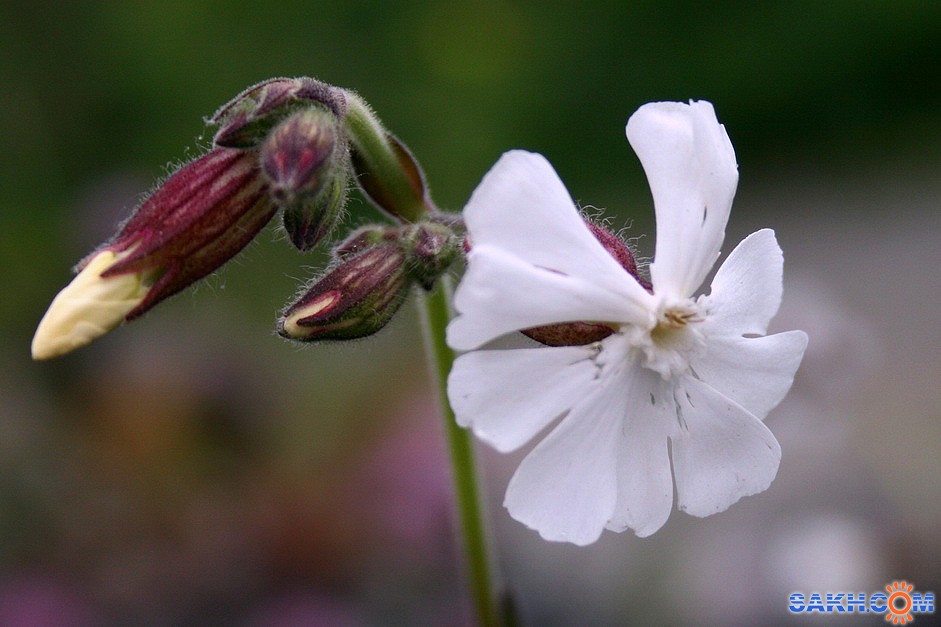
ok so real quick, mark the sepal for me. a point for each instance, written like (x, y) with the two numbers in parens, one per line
(204, 214)
(246, 120)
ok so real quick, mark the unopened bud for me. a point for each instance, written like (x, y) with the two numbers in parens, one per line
(298, 154)
(306, 161)
(245, 120)
(200, 217)
(431, 248)
(384, 168)
(358, 297)
(580, 332)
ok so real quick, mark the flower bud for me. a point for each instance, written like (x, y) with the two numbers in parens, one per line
(306, 161)
(200, 217)
(247, 119)
(356, 298)
(431, 249)
(383, 167)
(580, 332)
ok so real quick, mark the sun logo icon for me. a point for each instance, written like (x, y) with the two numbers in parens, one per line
(899, 603)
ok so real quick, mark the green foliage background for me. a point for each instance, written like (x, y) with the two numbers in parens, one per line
(93, 87)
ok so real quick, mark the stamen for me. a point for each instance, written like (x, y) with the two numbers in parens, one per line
(672, 343)
(678, 318)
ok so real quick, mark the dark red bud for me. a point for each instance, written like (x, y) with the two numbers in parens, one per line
(358, 297)
(306, 161)
(198, 219)
(296, 153)
(246, 119)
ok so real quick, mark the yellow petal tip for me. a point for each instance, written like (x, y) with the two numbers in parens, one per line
(86, 308)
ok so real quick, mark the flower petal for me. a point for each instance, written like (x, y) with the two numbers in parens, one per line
(522, 207)
(746, 291)
(566, 488)
(721, 452)
(501, 293)
(530, 243)
(690, 165)
(508, 396)
(754, 372)
(645, 481)
(89, 306)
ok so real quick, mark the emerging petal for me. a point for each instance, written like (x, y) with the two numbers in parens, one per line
(690, 165)
(755, 372)
(524, 228)
(508, 396)
(721, 452)
(501, 293)
(746, 291)
(89, 307)
(566, 488)
(645, 481)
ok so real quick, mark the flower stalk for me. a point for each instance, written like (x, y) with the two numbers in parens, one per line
(479, 565)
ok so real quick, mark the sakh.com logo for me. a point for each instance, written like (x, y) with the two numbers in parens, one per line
(899, 603)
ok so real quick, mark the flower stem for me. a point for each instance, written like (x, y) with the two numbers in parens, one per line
(436, 313)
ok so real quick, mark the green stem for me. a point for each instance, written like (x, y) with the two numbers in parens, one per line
(436, 313)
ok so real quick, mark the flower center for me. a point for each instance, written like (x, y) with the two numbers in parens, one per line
(675, 339)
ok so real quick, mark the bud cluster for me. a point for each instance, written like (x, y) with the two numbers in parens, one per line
(295, 127)
(372, 274)
(294, 145)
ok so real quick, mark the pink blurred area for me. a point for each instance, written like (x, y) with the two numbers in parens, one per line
(175, 476)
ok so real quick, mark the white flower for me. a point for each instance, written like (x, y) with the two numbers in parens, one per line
(683, 375)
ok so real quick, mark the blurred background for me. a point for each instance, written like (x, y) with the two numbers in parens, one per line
(193, 468)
